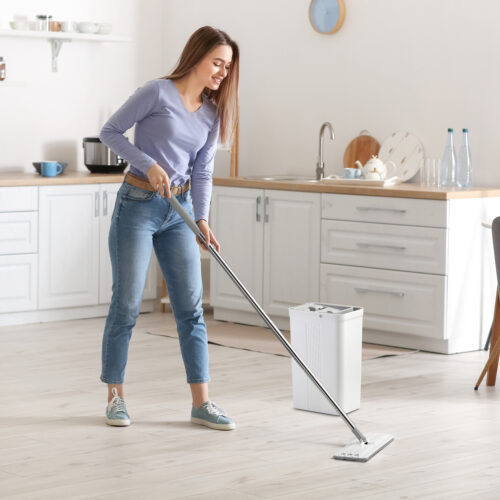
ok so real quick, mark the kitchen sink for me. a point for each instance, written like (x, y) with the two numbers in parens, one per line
(282, 178)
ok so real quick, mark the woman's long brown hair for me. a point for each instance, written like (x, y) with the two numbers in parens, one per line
(201, 42)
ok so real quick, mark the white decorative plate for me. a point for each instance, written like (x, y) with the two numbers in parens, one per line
(406, 151)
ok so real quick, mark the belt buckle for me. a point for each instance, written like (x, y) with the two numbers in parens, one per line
(178, 189)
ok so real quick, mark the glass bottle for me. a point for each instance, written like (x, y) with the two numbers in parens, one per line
(464, 165)
(448, 163)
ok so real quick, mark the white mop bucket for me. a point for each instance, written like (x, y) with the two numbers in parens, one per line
(328, 338)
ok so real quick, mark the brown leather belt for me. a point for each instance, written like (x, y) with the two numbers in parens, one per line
(137, 181)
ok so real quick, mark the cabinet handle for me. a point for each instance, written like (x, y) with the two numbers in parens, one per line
(375, 245)
(96, 205)
(257, 205)
(266, 203)
(397, 210)
(374, 290)
(105, 203)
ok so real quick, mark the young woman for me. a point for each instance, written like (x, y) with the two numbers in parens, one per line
(177, 120)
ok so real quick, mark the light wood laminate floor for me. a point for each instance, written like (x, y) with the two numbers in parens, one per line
(54, 443)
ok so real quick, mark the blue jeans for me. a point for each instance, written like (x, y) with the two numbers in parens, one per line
(143, 220)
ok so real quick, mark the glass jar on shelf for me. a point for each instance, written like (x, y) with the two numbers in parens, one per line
(43, 23)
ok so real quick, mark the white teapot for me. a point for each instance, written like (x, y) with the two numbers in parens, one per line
(376, 169)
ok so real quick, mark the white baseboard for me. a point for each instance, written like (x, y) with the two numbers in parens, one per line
(26, 317)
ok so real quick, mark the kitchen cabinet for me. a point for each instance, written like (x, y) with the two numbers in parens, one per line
(54, 258)
(419, 263)
(69, 246)
(270, 239)
(18, 248)
(74, 227)
(415, 267)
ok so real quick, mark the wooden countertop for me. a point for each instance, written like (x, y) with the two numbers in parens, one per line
(404, 190)
(68, 177)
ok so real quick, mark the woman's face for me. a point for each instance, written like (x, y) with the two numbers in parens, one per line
(215, 66)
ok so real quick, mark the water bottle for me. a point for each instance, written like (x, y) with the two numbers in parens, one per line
(448, 163)
(464, 165)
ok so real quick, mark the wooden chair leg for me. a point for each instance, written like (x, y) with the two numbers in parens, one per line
(163, 293)
(494, 346)
(491, 365)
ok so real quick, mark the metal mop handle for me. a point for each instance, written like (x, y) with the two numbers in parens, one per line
(196, 230)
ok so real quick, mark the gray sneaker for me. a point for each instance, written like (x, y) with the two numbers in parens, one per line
(116, 411)
(211, 415)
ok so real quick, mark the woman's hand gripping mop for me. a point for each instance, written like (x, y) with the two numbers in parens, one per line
(363, 447)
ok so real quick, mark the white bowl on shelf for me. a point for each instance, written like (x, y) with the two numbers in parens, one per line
(19, 25)
(88, 28)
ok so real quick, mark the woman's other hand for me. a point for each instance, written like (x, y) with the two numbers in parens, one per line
(159, 179)
(209, 236)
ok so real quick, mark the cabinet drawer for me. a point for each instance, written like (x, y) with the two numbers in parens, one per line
(18, 199)
(18, 283)
(393, 301)
(385, 246)
(18, 232)
(405, 211)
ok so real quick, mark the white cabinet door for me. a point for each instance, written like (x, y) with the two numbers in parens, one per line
(69, 246)
(291, 250)
(18, 276)
(236, 220)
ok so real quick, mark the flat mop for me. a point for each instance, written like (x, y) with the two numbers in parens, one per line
(363, 447)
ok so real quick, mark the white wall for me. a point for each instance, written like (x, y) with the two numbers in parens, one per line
(45, 115)
(410, 65)
(416, 65)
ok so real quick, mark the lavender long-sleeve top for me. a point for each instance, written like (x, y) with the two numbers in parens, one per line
(183, 143)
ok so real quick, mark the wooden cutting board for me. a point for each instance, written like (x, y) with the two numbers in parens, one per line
(361, 148)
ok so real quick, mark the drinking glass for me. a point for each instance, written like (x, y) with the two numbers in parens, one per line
(430, 172)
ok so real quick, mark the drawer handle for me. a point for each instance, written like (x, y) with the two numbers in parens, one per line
(375, 245)
(257, 213)
(105, 203)
(397, 210)
(374, 290)
(266, 204)
(96, 205)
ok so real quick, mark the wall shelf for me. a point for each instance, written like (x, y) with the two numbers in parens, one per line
(12, 83)
(57, 38)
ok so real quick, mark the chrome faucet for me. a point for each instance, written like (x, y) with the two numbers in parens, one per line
(320, 166)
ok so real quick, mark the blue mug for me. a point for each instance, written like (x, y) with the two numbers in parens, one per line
(51, 168)
(351, 173)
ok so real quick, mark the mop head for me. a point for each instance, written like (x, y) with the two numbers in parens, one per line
(362, 452)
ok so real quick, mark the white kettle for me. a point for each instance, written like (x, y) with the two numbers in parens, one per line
(376, 169)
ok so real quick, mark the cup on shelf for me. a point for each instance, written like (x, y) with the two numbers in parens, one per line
(55, 26)
(88, 27)
(430, 172)
(68, 26)
(19, 23)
